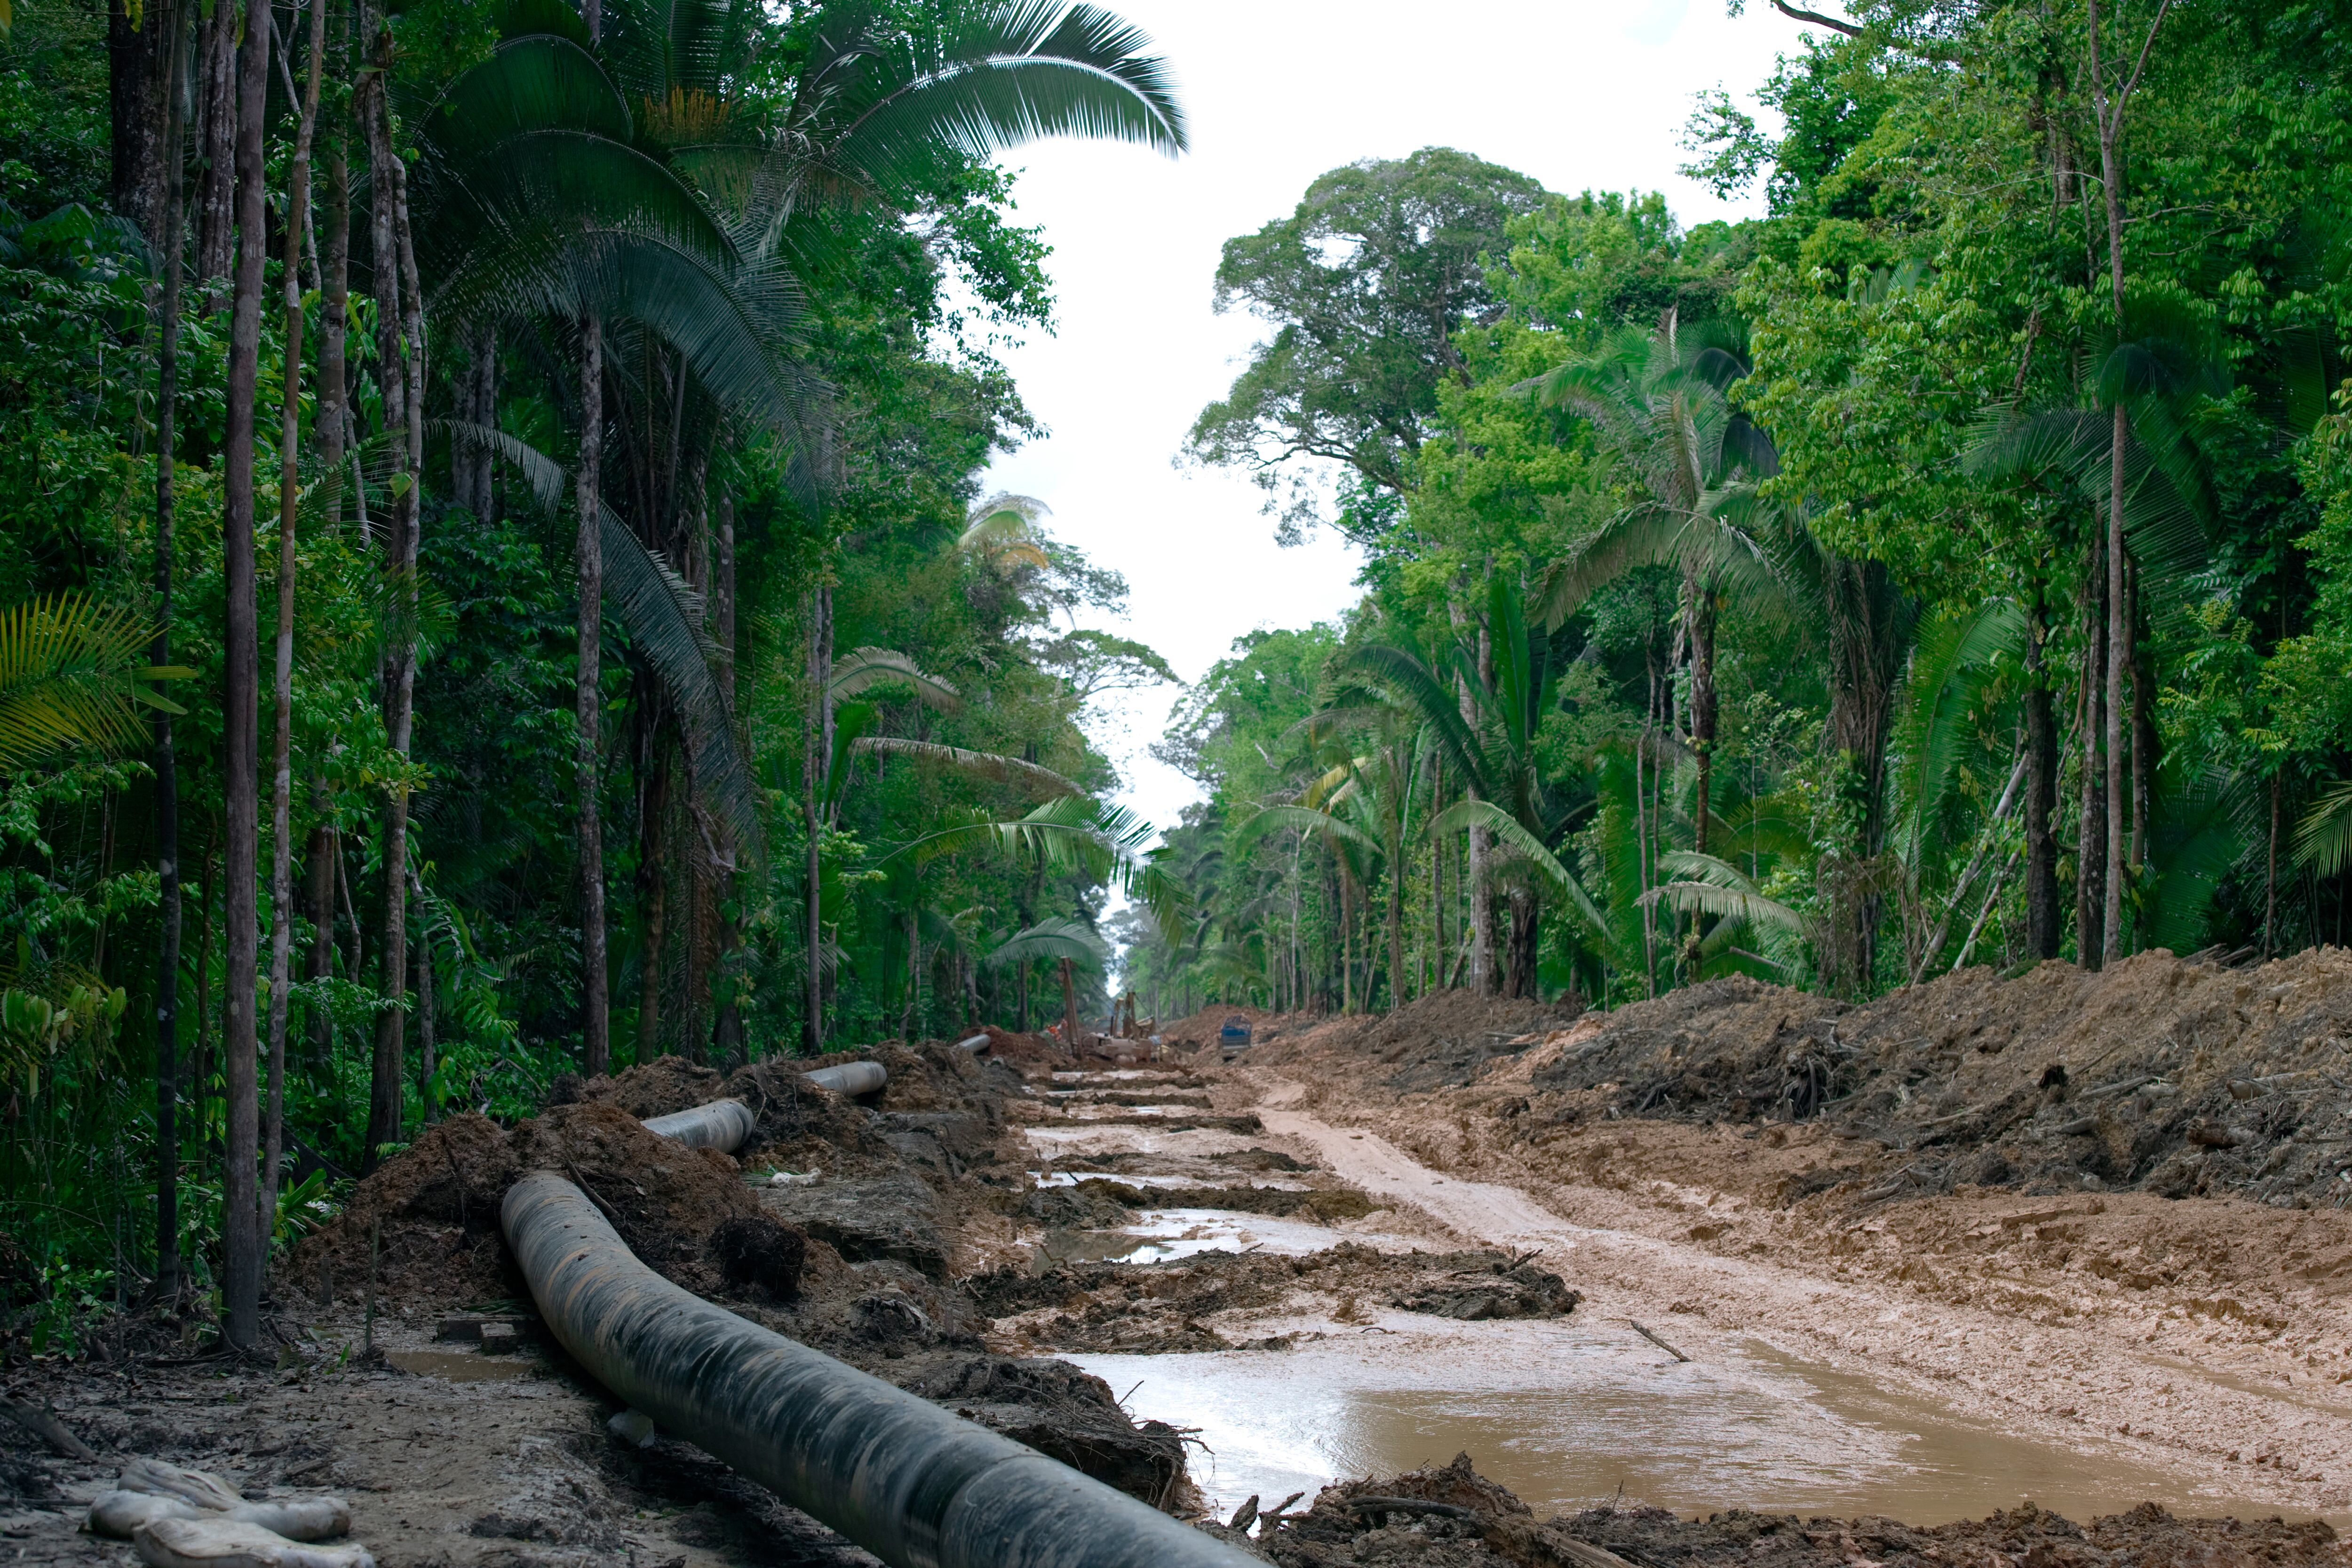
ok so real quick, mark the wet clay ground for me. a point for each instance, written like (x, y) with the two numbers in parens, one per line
(1564, 1241)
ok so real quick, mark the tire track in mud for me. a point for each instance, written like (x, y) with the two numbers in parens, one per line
(2076, 1389)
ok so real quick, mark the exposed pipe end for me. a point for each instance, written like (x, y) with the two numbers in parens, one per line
(975, 1045)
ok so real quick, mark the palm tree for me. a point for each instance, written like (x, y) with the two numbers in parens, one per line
(1490, 743)
(594, 168)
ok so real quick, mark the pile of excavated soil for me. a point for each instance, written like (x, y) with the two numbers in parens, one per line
(1445, 1040)
(1194, 1031)
(1449, 1516)
(1161, 1307)
(2176, 1075)
(433, 1211)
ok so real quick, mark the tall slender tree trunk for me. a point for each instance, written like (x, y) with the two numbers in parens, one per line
(1482, 898)
(1703, 705)
(2044, 932)
(1526, 922)
(816, 761)
(1069, 1007)
(240, 690)
(654, 867)
(167, 773)
(2146, 748)
(215, 156)
(138, 59)
(727, 1028)
(1396, 915)
(289, 496)
(427, 1014)
(403, 367)
(2091, 846)
(588, 560)
(2110, 108)
(333, 422)
(319, 869)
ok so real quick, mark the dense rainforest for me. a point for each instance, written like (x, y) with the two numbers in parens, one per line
(1946, 567)
(556, 434)
(495, 585)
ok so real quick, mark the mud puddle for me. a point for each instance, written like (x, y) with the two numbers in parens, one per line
(460, 1366)
(1162, 1235)
(1570, 1414)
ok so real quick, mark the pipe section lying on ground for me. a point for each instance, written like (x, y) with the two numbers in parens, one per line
(850, 1077)
(914, 1485)
(975, 1045)
(723, 1124)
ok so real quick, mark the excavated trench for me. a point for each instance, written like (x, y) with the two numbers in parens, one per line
(1213, 1285)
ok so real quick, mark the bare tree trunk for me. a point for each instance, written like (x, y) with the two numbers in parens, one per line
(1069, 1007)
(726, 1030)
(426, 1017)
(1526, 925)
(167, 773)
(815, 763)
(240, 739)
(138, 58)
(1703, 706)
(318, 866)
(2091, 846)
(2110, 111)
(403, 367)
(654, 821)
(2042, 919)
(333, 421)
(2146, 747)
(1396, 914)
(289, 496)
(588, 558)
(216, 157)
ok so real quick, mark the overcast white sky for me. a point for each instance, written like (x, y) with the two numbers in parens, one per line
(1578, 93)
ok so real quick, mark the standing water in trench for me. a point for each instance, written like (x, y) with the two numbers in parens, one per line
(1568, 1411)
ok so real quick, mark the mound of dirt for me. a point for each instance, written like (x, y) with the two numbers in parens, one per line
(1449, 1516)
(1158, 1307)
(2177, 1076)
(435, 1207)
(1444, 1040)
(1062, 1412)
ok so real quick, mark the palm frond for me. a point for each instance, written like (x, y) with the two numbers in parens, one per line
(1057, 938)
(862, 668)
(987, 764)
(1306, 819)
(72, 670)
(664, 615)
(1508, 829)
(2323, 839)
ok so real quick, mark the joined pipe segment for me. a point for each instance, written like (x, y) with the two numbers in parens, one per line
(723, 1124)
(915, 1486)
(850, 1078)
(975, 1045)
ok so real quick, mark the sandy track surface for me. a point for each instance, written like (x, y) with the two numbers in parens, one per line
(2240, 1423)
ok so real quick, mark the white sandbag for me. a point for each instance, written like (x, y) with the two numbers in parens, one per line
(116, 1514)
(200, 1493)
(222, 1542)
(200, 1490)
(298, 1519)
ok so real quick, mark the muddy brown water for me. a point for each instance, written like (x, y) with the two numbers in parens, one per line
(1573, 1412)
(462, 1366)
(1568, 1416)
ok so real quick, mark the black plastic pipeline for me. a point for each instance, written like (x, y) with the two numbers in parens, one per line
(850, 1078)
(915, 1486)
(723, 1124)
